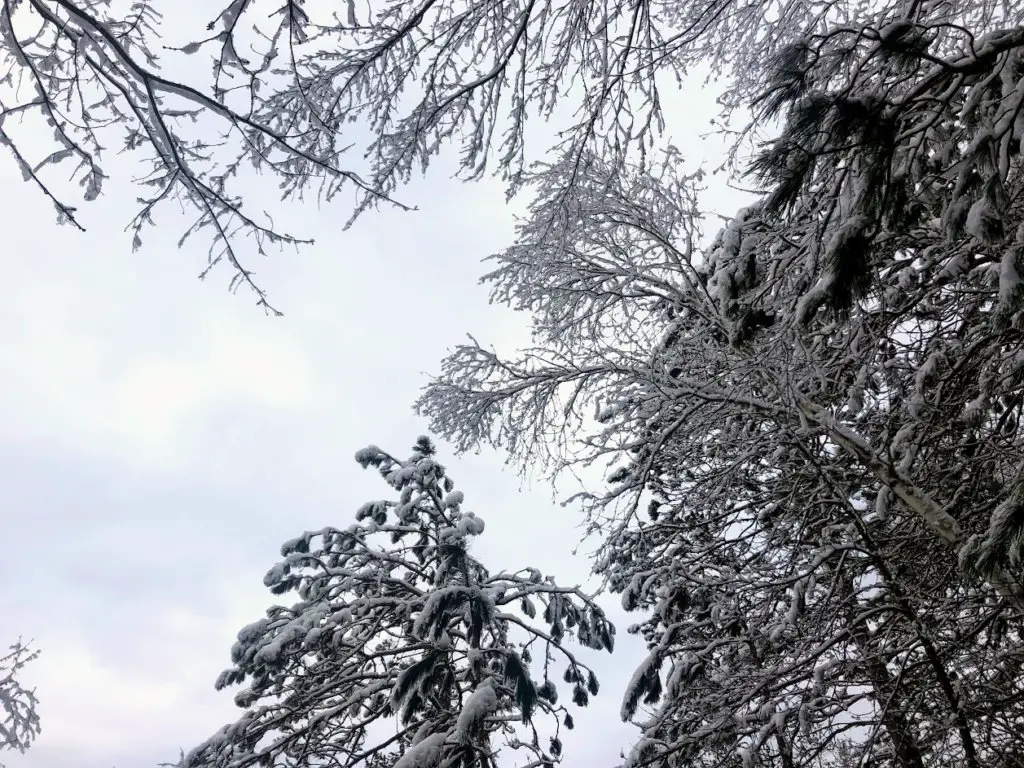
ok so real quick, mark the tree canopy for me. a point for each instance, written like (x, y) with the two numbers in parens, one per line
(326, 99)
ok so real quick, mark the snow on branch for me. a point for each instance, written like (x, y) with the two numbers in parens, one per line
(399, 624)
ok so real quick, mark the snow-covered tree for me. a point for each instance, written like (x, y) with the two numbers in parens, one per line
(19, 720)
(819, 511)
(403, 650)
(359, 98)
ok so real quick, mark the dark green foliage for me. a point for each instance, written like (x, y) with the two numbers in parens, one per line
(579, 696)
(518, 677)
(786, 79)
(406, 693)
(1000, 550)
(548, 692)
(785, 167)
(556, 746)
(645, 686)
(848, 260)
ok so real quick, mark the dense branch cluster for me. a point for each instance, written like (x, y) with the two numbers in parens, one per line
(326, 99)
(814, 420)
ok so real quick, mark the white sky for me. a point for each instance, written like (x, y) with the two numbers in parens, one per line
(160, 438)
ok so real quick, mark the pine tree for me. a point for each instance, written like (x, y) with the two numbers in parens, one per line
(404, 650)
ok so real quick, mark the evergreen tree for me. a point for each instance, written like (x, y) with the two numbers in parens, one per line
(19, 719)
(403, 649)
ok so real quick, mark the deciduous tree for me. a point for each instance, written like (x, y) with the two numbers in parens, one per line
(360, 98)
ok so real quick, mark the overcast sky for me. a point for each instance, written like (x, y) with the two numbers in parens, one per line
(160, 438)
